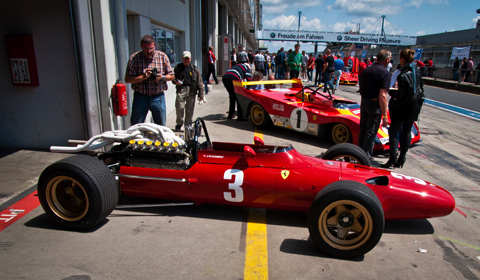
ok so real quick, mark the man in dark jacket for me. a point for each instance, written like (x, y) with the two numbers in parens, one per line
(374, 87)
(280, 62)
(188, 83)
(319, 62)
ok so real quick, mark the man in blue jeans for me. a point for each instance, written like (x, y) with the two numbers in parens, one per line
(148, 71)
(338, 64)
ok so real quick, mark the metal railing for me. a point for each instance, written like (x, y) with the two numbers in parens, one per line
(449, 74)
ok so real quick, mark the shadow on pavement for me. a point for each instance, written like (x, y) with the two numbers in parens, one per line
(44, 222)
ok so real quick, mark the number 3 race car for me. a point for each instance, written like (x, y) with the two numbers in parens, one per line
(347, 203)
(309, 110)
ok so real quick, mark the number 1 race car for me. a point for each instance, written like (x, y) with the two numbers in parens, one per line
(347, 203)
(309, 110)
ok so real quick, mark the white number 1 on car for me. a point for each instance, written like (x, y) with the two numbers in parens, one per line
(235, 186)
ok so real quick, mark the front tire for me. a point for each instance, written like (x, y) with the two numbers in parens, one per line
(346, 219)
(78, 192)
(347, 152)
(259, 116)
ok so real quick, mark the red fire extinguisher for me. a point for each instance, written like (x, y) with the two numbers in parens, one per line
(119, 99)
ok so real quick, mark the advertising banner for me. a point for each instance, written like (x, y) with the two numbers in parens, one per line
(418, 54)
(335, 37)
(460, 53)
(364, 54)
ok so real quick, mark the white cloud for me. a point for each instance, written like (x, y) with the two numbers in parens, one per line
(275, 9)
(281, 22)
(279, 7)
(367, 25)
(418, 3)
(437, 2)
(291, 23)
(369, 7)
(474, 20)
(421, 32)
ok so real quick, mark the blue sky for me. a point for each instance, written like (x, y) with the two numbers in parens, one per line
(403, 17)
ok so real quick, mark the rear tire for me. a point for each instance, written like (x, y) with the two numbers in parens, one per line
(347, 152)
(78, 192)
(259, 117)
(346, 219)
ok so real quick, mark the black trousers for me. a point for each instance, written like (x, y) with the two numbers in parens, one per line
(294, 74)
(400, 132)
(318, 77)
(228, 83)
(211, 70)
(370, 116)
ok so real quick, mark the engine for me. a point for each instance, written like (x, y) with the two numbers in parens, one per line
(142, 145)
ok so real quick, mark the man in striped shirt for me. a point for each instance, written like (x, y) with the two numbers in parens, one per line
(148, 71)
(239, 72)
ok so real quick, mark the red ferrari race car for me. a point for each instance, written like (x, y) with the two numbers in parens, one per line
(350, 71)
(307, 109)
(348, 78)
(347, 203)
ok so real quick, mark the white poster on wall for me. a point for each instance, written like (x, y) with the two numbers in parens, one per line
(460, 52)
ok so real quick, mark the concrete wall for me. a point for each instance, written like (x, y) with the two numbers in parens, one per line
(51, 113)
(81, 49)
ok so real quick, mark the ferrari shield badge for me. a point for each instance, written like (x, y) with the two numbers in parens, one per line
(285, 174)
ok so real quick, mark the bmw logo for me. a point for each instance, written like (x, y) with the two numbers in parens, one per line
(339, 38)
(272, 35)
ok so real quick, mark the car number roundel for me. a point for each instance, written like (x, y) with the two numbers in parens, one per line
(299, 119)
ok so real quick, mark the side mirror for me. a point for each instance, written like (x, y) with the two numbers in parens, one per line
(248, 151)
(258, 141)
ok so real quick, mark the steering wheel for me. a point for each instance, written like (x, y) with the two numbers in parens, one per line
(317, 90)
(199, 124)
(275, 149)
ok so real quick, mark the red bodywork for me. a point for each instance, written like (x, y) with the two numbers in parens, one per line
(310, 113)
(279, 177)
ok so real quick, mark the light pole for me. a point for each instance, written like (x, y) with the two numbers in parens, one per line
(299, 17)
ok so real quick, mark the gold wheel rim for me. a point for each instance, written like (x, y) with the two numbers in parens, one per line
(67, 198)
(257, 115)
(345, 225)
(340, 134)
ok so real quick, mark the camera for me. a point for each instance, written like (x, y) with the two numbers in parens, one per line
(153, 76)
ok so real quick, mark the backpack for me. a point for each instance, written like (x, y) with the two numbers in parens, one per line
(411, 88)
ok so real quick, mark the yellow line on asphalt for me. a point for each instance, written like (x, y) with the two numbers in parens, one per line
(458, 242)
(256, 251)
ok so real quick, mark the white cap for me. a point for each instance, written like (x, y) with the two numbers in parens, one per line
(187, 54)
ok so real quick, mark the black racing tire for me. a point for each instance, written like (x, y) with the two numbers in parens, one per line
(346, 219)
(78, 192)
(259, 117)
(340, 133)
(347, 152)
